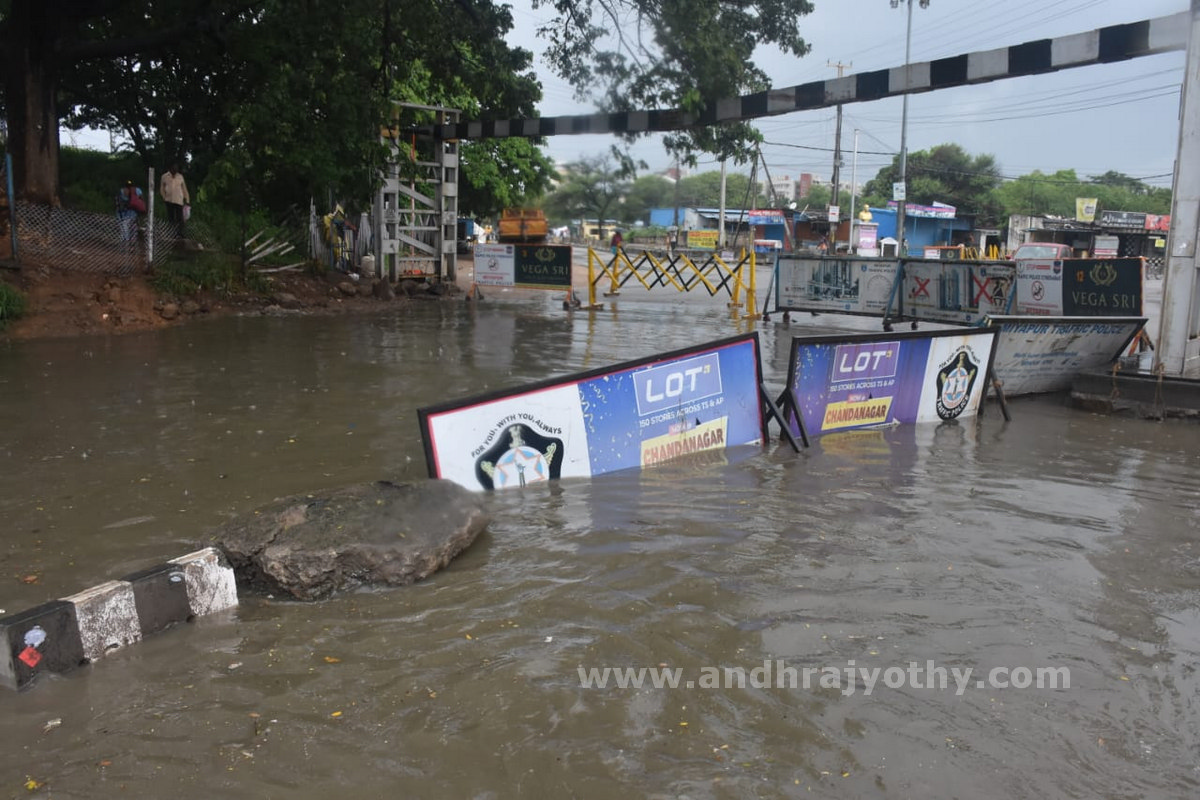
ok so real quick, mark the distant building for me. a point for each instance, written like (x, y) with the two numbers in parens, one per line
(785, 189)
(924, 226)
(1122, 234)
(804, 185)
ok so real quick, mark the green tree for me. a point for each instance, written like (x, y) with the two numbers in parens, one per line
(43, 40)
(818, 198)
(275, 101)
(647, 192)
(1039, 194)
(704, 191)
(591, 188)
(943, 174)
(1119, 192)
(501, 173)
(686, 54)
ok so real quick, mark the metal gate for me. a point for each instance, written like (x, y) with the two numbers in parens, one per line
(415, 212)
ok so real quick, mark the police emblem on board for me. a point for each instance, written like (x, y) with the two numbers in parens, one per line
(521, 458)
(954, 384)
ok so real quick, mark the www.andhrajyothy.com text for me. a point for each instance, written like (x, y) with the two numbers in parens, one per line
(848, 679)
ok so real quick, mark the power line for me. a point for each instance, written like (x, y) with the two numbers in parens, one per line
(825, 149)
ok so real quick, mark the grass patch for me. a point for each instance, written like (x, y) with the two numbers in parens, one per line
(206, 272)
(12, 303)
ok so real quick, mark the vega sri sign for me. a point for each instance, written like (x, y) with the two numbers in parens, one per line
(629, 415)
(532, 266)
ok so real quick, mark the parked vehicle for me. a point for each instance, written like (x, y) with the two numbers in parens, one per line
(465, 235)
(1043, 251)
(523, 225)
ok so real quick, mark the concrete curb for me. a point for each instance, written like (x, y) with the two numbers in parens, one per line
(61, 635)
(1138, 394)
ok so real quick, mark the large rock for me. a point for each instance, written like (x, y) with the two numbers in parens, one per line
(310, 546)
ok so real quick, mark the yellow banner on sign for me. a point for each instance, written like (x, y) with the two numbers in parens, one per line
(1085, 208)
(705, 436)
(702, 240)
(862, 412)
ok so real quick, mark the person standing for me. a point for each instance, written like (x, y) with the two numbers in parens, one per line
(174, 193)
(130, 203)
(618, 241)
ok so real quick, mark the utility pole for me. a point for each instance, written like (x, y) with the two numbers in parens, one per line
(773, 198)
(721, 213)
(854, 193)
(903, 200)
(837, 138)
(677, 197)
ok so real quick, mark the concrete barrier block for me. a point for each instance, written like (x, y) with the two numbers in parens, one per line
(108, 618)
(210, 581)
(160, 593)
(42, 639)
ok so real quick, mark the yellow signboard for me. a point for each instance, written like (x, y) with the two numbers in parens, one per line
(702, 240)
(1085, 209)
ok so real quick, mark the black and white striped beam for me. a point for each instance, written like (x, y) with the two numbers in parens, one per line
(64, 634)
(1101, 46)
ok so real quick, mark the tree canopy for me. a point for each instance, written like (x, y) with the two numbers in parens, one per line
(686, 54)
(285, 97)
(592, 188)
(974, 186)
(943, 174)
(1054, 194)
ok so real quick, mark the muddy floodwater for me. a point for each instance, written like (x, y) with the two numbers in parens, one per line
(1059, 544)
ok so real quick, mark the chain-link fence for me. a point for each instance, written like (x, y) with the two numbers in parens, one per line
(89, 242)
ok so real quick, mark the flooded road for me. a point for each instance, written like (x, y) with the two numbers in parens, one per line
(1059, 540)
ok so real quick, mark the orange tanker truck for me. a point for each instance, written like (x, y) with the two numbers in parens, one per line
(523, 225)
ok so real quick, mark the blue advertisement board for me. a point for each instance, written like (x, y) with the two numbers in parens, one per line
(839, 383)
(630, 415)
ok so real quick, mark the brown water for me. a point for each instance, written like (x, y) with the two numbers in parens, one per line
(1060, 539)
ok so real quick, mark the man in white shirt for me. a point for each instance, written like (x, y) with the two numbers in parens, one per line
(174, 193)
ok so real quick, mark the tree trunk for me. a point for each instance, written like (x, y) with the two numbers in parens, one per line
(30, 85)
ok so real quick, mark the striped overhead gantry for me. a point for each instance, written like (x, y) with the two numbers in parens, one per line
(1101, 46)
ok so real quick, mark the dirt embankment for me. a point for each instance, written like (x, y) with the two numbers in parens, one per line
(61, 303)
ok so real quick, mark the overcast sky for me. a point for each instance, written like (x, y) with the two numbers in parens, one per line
(1122, 116)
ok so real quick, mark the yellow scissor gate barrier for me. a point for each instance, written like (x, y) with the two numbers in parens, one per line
(677, 269)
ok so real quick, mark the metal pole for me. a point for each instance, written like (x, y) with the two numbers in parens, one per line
(150, 223)
(837, 141)
(677, 197)
(837, 157)
(853, 192)
(1176, 347)
(721, 215)
(12, 203)
(900, 237)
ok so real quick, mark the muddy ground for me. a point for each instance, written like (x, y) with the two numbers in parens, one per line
(62, 303)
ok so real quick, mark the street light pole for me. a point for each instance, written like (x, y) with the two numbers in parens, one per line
(854, 194)
(900, 237)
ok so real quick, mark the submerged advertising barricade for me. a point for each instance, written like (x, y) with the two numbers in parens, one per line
(961, 292)
(626, 416)
(838, 383)
(1042, 354)
(1060, 316)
